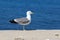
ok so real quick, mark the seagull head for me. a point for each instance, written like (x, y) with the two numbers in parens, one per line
(29, 12)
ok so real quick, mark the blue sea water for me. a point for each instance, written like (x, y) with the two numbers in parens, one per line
(46, 14)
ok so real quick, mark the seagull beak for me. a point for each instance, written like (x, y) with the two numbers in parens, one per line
(32, 13)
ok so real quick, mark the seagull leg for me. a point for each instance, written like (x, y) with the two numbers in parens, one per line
(23, 27)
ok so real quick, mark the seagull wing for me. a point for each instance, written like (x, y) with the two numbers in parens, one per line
(22, 20)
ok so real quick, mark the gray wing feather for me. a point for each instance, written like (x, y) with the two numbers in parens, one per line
(22, 20)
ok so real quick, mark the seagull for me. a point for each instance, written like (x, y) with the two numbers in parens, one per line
(24, 20)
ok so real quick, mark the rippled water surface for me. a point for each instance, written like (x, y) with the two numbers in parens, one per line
(46, 14)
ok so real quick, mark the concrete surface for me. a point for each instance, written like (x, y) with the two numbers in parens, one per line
(30, 35)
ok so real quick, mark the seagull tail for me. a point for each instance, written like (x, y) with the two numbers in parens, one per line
(12, 21)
